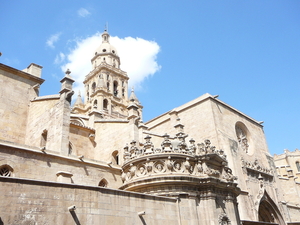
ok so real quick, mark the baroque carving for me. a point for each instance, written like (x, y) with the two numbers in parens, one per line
(184, 160)
(255, 166)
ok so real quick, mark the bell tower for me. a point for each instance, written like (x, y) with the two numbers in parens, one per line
(106, 86)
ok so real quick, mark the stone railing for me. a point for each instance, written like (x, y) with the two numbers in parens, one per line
(167, 146)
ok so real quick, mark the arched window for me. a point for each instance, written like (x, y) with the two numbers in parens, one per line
(107, 85)
(298, 166)
(105, 104)
(93, 87)
(115, 156)
(70, 148)
(103, 183)
(123, 92)
(115, 88)
(242, 135)
(44, 139)
(95, 104)
(5, 171)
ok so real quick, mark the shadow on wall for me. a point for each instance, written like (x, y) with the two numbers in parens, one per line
(1, 222)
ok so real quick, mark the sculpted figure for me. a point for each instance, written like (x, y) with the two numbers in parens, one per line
(169, 163)
(132, 170)
(149, 165)
(187, 165)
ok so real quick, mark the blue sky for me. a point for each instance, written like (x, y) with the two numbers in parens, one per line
(247, 52)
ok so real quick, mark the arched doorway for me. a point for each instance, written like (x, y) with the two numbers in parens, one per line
(268, 211)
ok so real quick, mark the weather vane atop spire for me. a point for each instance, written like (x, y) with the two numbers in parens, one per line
(106, 26)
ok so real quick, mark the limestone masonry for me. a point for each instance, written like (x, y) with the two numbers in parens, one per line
(96, 162)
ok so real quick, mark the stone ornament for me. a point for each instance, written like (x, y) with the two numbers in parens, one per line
(185, 160)
(223, 219)
(255, 166)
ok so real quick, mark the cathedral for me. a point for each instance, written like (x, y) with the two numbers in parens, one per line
(97, 162)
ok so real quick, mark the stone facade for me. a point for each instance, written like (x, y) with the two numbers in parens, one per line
(97, 162)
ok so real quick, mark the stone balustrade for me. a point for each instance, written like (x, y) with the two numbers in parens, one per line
(174, 158)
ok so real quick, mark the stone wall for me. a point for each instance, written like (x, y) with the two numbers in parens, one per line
(31, 163)
(27, 202)
(15, 93)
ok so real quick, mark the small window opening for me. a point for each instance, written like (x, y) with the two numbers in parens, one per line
(95, 104)
(5, 171)
(123, 92)
(298, 166)
(115, 156)
(105, 104)
(93, 87)
(70, 148)
(107, 85)
(44, 139)
(113, 51)
(103, 183)
(115, 88)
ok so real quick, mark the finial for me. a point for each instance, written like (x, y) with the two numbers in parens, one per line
(68, 72)
(79, 93)
(132, 89)
(106, 27)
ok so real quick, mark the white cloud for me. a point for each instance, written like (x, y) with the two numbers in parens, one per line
(83, 12)
(54, 38)
(59, 58)
(138, 58)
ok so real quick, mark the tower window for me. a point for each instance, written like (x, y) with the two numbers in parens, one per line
(105, 104)
(95, 104)
(115, 88)
(113, 51)
(93, 87)
(123, 92)
(104, 50)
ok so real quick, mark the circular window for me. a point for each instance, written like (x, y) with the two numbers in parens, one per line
(104, 50)
(113, 51)
(5, 171)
